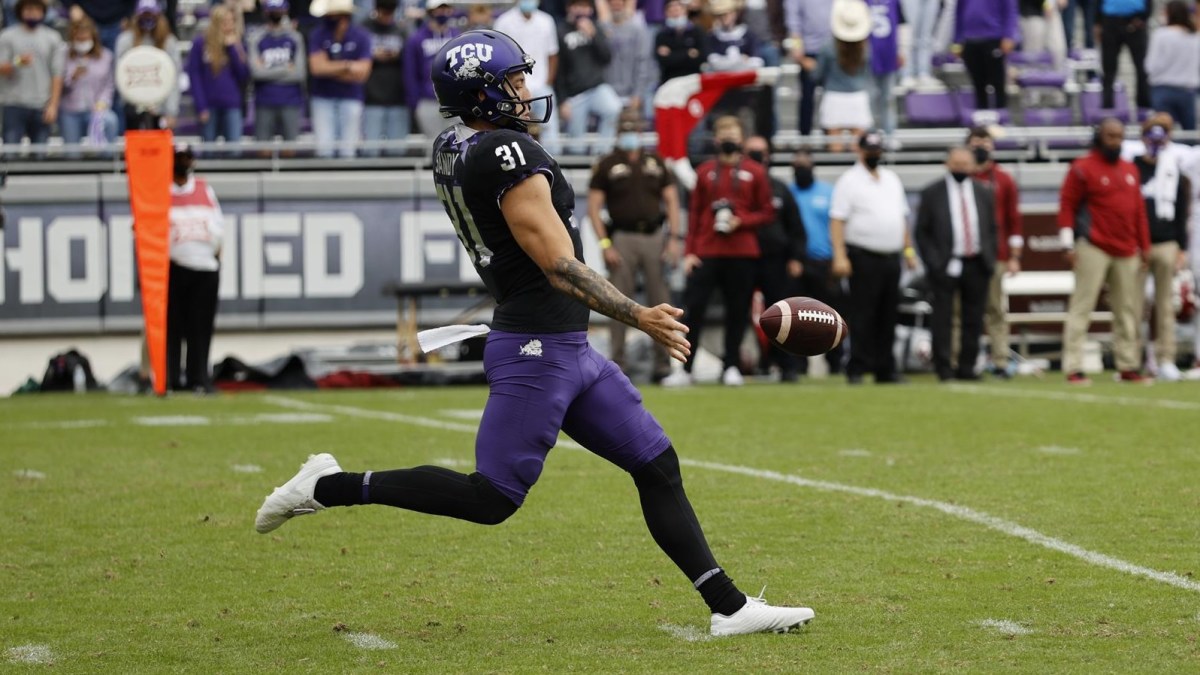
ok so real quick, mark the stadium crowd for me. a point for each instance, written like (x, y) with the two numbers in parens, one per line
(271, 68)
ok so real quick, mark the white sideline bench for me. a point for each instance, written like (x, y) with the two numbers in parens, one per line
(1041, 283)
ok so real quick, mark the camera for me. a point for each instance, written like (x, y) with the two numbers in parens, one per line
(723, 210)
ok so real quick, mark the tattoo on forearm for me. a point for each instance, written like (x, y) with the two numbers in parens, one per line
(587, 286)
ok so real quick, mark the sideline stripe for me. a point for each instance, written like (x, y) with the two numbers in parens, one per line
(1076, 397)
(961, 512)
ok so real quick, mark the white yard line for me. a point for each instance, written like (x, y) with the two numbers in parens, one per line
(368, 641)
(29, 474)
(1057, 450)
(1004, 626)
(1076, 397)
(685, 633)
(961, 512)
(62, 424)
(30, 654)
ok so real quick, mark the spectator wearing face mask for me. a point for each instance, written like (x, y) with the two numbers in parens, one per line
(32, 58)
(340, 62)
(386, 116)
(813, 198)
(731, 200)
(1102, 222)
(1166, 192)
(537, 33)
(417, 60)
(87, 88)
(631, 72)
(680, 46)
(218, 74)
(150, 27)
(584, 54)
(278, 66)
(868, 229)
(781, 244)
(639, 194)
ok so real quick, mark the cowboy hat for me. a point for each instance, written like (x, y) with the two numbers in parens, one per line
(851, 20)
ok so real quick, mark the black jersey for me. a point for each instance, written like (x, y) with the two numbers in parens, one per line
(472, 170)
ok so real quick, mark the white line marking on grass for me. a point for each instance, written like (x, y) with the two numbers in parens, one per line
(171, 421)
(854, 452)
(449, 461)
(30, 654)
(463, 413)
(246, 468)
(65, 424)
(961, 512)
(1076, 397)
(368, 641)
(686, 633)
(282, 418)
(1057, 450)
(29, 474)
(1004, 626)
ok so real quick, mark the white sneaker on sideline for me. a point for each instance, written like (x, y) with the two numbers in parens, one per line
(1169, 372)
(908, 82)
(732, 377)
(295, 497)
(677, 378)
(756, 616)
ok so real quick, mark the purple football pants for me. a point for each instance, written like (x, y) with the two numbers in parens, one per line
(542, 383)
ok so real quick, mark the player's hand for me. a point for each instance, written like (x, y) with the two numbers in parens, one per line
(612, 258)
(690, 262)
(841, 266)
(795, 269)
(662, 324)
(673, 252)
(1013, 267)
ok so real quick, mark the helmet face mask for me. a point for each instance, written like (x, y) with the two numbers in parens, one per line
(471, 79)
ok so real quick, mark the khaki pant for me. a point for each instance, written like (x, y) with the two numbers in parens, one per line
(995, 317)
(1162, 269)
(1093, 267)
(639, 252)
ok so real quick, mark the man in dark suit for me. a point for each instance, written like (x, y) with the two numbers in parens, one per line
(955, 234)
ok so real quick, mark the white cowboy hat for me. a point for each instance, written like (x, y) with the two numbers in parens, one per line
(326, 7)
(851, 20)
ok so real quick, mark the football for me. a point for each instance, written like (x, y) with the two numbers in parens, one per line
(803, 326)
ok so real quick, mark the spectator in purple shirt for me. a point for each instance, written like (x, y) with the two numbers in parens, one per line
(417, 60)
(279, 68)
(340, 62)
(987, 30)
(87, 87)
(218, 73)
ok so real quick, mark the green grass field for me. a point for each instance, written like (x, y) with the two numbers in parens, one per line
(1004, 527)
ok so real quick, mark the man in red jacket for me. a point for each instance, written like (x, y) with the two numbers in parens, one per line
(731, 200)
(1102, 220)
(1010, 240)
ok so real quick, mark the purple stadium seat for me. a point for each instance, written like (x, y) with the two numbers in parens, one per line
(1042, 59)
(930, 109)
(942, 58)
(1091, 99)
(1049, 117)
(1041, 78)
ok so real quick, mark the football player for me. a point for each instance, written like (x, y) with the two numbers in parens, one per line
(511, 207)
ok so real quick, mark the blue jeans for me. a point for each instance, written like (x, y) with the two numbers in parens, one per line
(337, 120)
(384, 122)
(20, 122)
(603, 102)
(922, 16)
(1179, 101)
(883, 108)
(74, 125)
(225, 122)
(1089, 8)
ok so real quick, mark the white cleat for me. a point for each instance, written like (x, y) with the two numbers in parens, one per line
(756, 616)
(295, 497)
(732, 377)
(678, 378)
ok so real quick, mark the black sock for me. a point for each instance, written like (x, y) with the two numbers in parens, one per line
(674, 526)
(427, 489)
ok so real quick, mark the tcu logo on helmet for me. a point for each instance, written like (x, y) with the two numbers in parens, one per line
(472, 54)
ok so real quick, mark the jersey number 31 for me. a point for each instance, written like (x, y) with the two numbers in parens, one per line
(507, 161)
